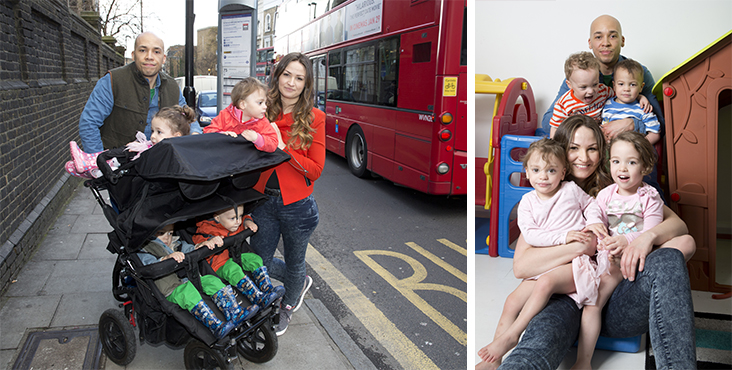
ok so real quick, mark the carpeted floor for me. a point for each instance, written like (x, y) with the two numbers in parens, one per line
(713, 342)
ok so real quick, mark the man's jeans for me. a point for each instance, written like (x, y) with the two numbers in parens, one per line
(295, 222)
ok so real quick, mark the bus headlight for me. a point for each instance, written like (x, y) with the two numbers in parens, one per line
(443, 168)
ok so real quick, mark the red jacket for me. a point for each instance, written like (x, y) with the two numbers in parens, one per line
(207, 229)
(305, 163)
(229, 119)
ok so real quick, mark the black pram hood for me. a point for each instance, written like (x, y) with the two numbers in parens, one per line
(182, 178)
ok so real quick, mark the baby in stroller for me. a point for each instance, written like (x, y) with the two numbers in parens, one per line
(226, 223)
(184, 294)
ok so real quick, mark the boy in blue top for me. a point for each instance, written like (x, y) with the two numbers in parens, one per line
(628, 84)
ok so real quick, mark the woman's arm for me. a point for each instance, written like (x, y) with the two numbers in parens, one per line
(635, 254)
(530, 261)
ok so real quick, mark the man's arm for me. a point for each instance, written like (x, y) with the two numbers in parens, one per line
(195, 127)
(98, 107)
(548, 115)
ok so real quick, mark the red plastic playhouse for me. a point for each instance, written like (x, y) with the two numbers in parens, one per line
(697, 97)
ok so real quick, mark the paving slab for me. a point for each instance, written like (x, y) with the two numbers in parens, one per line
(80, 276)
(89, 223)
(21, 313)
(95, 248)
(83, 309)
(60, 246)
(32, 279)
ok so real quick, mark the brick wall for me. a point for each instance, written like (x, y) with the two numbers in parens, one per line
(50, 60)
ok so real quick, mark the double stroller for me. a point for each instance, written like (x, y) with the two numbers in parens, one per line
(179, 180)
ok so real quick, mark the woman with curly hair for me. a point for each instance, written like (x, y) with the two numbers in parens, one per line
(291, 210)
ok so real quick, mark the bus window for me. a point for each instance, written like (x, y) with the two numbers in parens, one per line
(360, 73)
(388, 69)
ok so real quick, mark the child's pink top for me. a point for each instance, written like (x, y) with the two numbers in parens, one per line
(630, 215)
(545, 223)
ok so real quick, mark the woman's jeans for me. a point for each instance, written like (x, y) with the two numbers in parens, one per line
(295, 222)
(658, 302)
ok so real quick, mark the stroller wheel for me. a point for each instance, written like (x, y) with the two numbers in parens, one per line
(117, 337)
(200, 356)
(261, 345)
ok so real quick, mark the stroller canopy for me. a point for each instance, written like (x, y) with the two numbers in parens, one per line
(182, 178)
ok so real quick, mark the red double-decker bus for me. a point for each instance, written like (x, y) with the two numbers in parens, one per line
(265, 60)
(391, 78)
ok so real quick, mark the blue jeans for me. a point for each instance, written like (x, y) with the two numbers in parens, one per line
(658, 302)
(295, 222)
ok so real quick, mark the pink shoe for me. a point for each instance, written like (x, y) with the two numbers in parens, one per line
(71, 169)
(83, 161)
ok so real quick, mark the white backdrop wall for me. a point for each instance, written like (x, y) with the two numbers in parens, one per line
(531, 39)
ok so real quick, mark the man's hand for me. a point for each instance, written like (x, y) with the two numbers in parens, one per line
(612, 129)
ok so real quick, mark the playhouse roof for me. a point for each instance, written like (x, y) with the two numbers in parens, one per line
(674, 72)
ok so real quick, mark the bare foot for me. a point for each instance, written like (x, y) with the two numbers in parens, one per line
(488, 365)
(495, 351)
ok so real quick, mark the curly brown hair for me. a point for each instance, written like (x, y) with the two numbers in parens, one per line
(301, 132)
(178, 118)
(583, 60)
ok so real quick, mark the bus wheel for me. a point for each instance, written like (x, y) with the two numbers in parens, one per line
(356, 151)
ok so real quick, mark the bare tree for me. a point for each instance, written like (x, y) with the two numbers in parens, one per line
(121, 19)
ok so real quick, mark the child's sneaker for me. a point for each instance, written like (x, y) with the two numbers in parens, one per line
(285, 316)
(308, 283)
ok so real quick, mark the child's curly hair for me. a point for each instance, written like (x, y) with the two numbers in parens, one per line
(179, 118)
(583, 60)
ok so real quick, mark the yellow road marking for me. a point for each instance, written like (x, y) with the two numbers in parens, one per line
(399, 346)
(409, 285)
(454, 246)
(439, 262)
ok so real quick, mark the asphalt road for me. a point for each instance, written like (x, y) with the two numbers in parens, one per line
(390, 264)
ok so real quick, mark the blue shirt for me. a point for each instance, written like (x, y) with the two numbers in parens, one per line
(99, 106)
(647, 80)
(615, 110)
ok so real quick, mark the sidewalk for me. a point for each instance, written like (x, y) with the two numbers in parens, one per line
(67, 285)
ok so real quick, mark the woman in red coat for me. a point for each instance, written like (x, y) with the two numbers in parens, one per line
(291, 210)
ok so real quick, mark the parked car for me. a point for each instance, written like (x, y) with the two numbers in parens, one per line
(206, 107)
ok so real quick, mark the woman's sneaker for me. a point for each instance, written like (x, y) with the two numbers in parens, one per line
(285, 316)
(306, 287)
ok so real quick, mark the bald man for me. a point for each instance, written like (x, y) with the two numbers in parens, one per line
(125, 100)
(606, 40)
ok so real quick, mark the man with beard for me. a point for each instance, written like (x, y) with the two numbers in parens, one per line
(124, 101)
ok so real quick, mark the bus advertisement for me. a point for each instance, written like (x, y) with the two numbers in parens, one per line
(391, 78)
